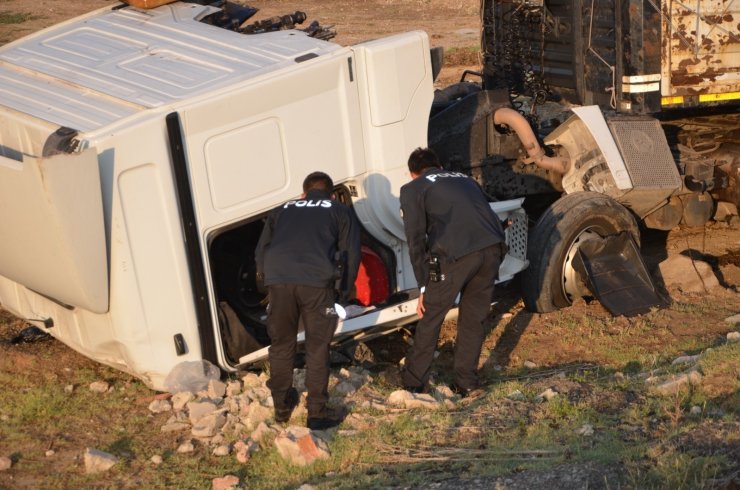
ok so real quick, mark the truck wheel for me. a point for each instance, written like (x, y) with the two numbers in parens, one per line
(550, 282)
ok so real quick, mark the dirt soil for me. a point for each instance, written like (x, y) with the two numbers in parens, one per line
(516, 335)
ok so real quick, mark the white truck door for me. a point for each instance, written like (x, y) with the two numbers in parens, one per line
(52, 233)
(248, 150)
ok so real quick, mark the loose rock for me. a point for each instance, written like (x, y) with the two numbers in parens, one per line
(245, 449)
(260, 432)
(209, 425)
(725, 211)
(299, 446)
(216, 389)
(529, 365)
(49, 453)
(695, 410)
(180, 400)
(233, 388)
(69, 388)
(225, 482)
(374, 404)
(5, 463)
(546, 395)
(260, 394)
(160, 406)
(733, 320)
(690, 276)
(345, 388)
(99, 386)
(256, 414)
(251, 380)
(677, 383)
(398, 398)
(222, 450)
(299, 380)
(198, 410)
(97, 461)
(685, 360)
(585, 430)
(516, 396)
(156, 459)
(443, 392)
(733, 337)
(422, 400)
(174, 427)
(186, 447)
(357, 421)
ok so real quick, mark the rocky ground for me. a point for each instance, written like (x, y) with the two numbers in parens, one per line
(234, 419)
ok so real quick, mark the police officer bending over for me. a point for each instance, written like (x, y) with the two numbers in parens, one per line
(297, 258)
(456, 246)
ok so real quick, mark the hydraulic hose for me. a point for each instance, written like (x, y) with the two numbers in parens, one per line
(521, 127)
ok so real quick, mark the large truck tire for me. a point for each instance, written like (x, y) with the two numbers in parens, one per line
(550, 282)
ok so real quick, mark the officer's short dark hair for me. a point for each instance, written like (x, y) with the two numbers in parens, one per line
(421, 159)
(319, 181)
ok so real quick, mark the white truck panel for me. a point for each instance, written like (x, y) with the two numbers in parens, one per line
(390, 140)
(57, 245)
(129, 59)
(594, 120)
(66, 105)
(250, 147)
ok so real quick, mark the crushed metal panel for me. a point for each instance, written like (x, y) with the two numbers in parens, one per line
(701, 47)
(595, 125)
(52, 234)
(617, 275)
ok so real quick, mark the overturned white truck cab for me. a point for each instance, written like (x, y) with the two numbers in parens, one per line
(141, 149)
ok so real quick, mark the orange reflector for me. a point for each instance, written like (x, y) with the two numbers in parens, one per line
(678, 99)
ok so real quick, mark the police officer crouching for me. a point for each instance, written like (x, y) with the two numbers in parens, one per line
(297, 259)
(456, 244)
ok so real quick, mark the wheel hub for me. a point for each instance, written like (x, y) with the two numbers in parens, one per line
(571, 282)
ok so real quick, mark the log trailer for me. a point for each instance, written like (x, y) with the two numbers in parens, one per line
(628, 110)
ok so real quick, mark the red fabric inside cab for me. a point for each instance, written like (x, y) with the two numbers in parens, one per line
(372, 279)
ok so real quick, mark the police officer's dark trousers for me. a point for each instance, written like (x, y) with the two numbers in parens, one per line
(315, 306)
(473, 276)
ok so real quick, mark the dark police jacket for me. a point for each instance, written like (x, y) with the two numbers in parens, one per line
(300, 241)
(446, 214)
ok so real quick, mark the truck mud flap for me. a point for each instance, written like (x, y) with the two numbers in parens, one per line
(616, 274)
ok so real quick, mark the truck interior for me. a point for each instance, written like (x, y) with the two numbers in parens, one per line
(242, 306)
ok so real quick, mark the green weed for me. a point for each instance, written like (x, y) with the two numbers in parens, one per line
(671, 469)
(15, 17)
(468, 55)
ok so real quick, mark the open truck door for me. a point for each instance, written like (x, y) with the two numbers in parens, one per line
(238, 155)
(52, 232)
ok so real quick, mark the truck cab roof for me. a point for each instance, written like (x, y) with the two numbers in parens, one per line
(115, 62)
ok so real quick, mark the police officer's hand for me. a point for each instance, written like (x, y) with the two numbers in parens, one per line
(420, 306)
